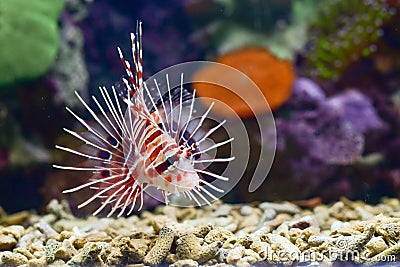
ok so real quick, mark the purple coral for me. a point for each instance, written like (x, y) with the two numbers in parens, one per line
(357, 109)
(318, 137)
(326, 137)
(333, 130)
(306, 93)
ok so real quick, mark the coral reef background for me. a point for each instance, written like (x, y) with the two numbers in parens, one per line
(335, 91)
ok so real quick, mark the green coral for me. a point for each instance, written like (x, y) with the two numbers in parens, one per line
(343, 32)
(28, 38)
(284, 33)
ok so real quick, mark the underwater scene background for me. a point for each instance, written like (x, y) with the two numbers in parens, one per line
(329, 69)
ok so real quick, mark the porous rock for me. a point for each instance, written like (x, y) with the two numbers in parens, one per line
(7, 242)
(161, 248)
(9, 258)
(92, 253)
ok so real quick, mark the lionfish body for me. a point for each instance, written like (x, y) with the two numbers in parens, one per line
(133, 148)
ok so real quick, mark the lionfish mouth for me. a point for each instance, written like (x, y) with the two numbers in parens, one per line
(133, 143)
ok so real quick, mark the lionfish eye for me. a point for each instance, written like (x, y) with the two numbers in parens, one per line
(171, 160)
(166, 164)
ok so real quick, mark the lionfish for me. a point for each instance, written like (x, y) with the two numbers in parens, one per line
(131, 146)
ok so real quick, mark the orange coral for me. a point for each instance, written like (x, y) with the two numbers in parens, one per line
(273, 76)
